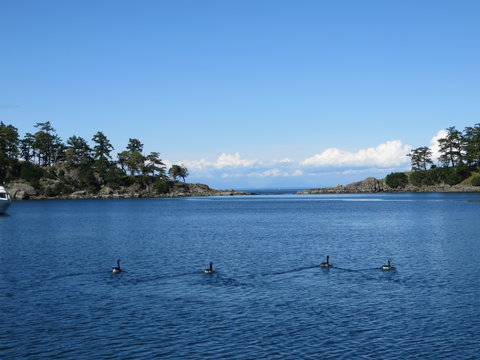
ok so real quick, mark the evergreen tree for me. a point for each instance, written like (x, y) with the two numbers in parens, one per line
(177, 171)
(101, 154)
(451, 147)
(48, 145)
(420, 158)
(9, 149)
(154, 164)
(122, 160)
(472, 145)
(134, 160)
(396, 180)
(78, 152)
(27, 148)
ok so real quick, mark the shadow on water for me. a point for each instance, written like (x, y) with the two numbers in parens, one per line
(77, 274)
(159, 277)
(217, 279)
(290, 270)
(354, 270)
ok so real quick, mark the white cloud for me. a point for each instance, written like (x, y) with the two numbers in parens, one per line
(390, 153)
(232, 161)
(434, 144)
(276, 173)
(269, 173)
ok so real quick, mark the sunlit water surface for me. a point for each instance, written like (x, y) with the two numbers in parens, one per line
(268, 298)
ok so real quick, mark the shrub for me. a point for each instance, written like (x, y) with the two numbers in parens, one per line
(31, 173)
(51, 173)
(457, 174)
(161, 187)
(59, 188)
(476, 181)
(396, 180)
(417, 178)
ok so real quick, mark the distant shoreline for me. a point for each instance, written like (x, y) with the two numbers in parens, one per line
(25, 192)
(372, 185)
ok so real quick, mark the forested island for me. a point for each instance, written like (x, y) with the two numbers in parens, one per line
(40, 165)
(458, 169)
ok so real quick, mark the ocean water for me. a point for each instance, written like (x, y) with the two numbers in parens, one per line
(268, 297)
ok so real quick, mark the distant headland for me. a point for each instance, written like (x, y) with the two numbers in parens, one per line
(372, 185)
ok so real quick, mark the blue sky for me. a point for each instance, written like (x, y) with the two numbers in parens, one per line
(247, 94)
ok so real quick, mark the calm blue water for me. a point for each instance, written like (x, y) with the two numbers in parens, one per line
(268, 298)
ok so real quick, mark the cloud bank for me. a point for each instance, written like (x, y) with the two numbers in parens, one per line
(232, 161)
(330, 163)
(434, 144)
(391, 153)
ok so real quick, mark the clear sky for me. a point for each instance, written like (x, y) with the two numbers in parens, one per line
(250, 93)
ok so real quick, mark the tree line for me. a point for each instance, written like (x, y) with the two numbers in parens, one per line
(75, 164)
(459, 158)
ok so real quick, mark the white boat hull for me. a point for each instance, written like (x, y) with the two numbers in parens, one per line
(4, 200)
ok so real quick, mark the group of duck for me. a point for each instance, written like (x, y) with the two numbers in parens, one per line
(117, 269)
(388, 266)
(209, 270)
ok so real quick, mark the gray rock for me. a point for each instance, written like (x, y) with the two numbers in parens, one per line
(373, 185)
(369, 185)
(105, 190)
(21, 191)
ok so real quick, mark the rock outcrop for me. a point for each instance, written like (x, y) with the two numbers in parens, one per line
(21, 191)
(373, 185)
(369, 185)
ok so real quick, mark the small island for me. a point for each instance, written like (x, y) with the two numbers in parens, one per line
(41, 166)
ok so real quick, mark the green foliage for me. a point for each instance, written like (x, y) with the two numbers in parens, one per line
(154, 164)
(78, 152)
(419, 178)
(87, 179)
(420, 158)
(161, 187)
(449, 175)
(440, 175)
(101, 153)
(59, 188)
(51, 173)
(9, 142)
(476, 181)
(471, 140)
(82, 166)
(136, 163)
(44, 146)
(177, 171)
(32, 173)
(396, 180)
(115, 178)
(457, 174)
(451, 147)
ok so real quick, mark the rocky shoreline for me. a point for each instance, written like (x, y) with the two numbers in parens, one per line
(23, 191)
(373, 185)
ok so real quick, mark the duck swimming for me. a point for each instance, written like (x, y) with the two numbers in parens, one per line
(325, 264)
(388, 267)
(116, 269)
(209, 270)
